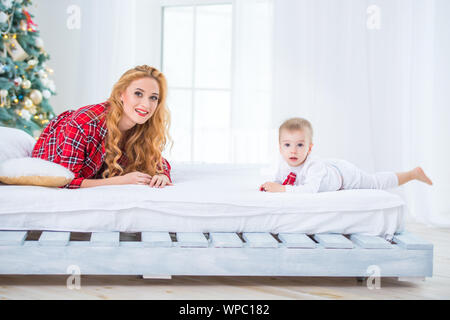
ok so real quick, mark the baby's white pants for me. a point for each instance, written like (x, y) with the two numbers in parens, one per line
(355, 178)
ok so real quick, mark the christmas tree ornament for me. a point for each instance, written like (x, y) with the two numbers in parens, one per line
(26, 84)
(46, 94)
(25, 114)
(33, 62)
(14, 99)
(15, 50)
(42, 74)
(17, 81)
(32, 109)
(23, 25)
(45, 82)
(3, 95)
(30, 23)
(36, 96)
(2, 68)
(27, 103)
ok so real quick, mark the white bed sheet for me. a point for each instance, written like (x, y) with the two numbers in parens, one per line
(204, 198)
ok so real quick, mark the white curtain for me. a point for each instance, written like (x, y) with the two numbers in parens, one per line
(252, 92)
(364, 73)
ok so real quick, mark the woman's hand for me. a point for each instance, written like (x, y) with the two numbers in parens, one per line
(135, 178)
(140, 178)
(272, 187)
(160, 181)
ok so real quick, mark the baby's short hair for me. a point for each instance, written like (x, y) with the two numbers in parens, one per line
(297, 124)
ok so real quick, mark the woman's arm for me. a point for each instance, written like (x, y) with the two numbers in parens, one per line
(129, 178)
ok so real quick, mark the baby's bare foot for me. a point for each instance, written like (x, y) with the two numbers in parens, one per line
(420, 175)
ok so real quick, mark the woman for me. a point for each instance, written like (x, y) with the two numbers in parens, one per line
(116, 142)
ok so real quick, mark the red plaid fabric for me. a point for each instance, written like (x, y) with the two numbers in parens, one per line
(290, 180)
(76, 140)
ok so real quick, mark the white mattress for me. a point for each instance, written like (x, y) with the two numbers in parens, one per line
(204, 198)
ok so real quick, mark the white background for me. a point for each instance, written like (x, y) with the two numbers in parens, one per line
(377, 97)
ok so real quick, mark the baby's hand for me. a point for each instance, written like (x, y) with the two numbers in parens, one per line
(272, 187)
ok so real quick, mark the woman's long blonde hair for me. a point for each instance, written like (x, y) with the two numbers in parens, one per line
(144, 143)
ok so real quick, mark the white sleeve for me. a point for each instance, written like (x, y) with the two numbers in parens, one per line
(314, 176)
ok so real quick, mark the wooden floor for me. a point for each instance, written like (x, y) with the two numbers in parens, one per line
(132, 287)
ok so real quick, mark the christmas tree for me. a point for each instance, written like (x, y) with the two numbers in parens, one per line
(25, 86)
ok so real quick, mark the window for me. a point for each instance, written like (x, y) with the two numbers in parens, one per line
(197, 61)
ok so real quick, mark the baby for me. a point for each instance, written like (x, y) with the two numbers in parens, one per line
(301, 172)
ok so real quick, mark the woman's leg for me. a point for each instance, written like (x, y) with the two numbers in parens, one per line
(414, 174)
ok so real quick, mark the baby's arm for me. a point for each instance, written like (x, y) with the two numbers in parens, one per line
(314, 176)
(311, 187)
(313, 179)
(276, 185)
(272, 187)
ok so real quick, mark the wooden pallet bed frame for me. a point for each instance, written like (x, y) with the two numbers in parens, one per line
(163, 254)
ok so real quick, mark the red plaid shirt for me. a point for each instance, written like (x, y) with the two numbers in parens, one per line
(76, 140)
(290, 180)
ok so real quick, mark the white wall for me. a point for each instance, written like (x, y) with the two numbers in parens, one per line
(114, 35)
(441, 107)
(377, 97)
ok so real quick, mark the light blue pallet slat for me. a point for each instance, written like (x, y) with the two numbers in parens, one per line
(54, 238)
(8, 238)
(33, 258)
(260, 240)
(398, 262)
(370, 242)
(105, 239)
(297, 240)
(412, 242)
(333, 241)
(225, 240)
(156, 239)
(192, 239)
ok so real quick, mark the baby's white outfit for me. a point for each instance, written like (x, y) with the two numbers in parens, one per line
(321, 175)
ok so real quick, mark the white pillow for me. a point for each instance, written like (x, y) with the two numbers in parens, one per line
(35, 172)
(15, 143)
